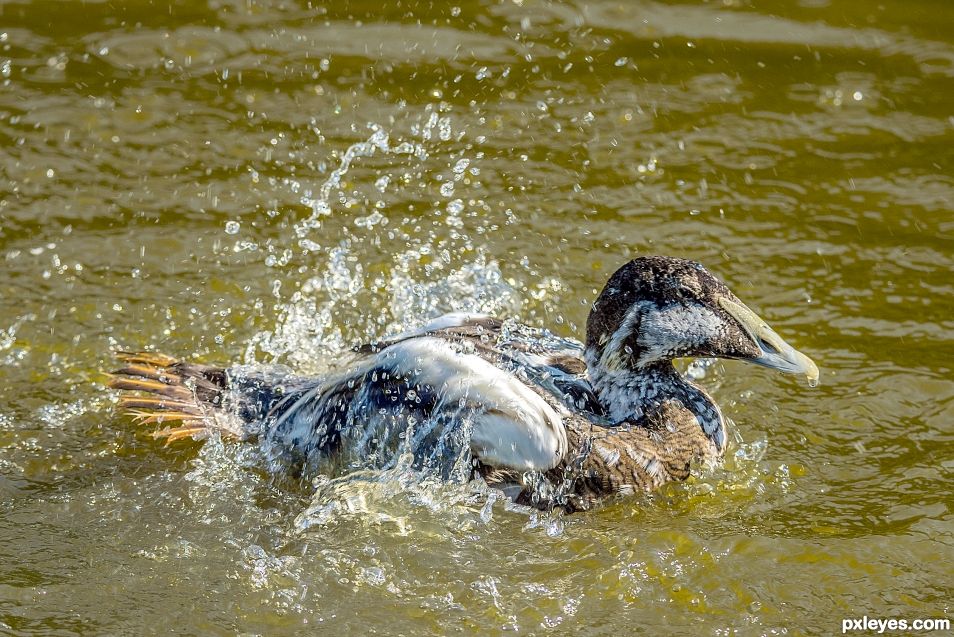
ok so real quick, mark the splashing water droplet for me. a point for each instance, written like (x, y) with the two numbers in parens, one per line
(460, 167)
(455, 207)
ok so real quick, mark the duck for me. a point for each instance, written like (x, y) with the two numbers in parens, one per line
(547, 420)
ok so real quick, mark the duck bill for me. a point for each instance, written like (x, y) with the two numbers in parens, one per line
(775, 352)
(786, 358)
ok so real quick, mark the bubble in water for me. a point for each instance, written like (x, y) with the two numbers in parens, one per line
(232, 227)
(447, 189)
(697, 369)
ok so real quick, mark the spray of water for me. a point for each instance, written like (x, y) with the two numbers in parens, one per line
(440, 269)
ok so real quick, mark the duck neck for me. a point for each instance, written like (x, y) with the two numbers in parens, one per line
(627, 393)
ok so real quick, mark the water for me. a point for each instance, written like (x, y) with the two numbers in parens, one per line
(274, 182)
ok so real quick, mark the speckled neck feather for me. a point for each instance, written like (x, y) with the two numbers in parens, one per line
(628, 394)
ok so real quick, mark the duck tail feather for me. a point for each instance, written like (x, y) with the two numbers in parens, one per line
(160, 389)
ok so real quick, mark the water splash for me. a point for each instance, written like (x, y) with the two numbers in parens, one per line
(8, 338)
(391, 497)
(309, 327)
(436, 272)
(321, 204)
(477, 287)
(379, 142)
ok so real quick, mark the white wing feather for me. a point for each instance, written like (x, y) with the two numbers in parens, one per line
(514, 428)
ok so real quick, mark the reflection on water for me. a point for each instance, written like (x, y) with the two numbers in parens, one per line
(274, 182)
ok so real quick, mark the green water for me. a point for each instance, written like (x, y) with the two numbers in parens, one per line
(275, 181)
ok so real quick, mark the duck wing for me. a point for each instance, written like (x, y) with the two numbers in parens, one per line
(438, 393)
(551, 362)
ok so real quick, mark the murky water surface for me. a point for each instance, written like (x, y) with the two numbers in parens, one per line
(254, 181)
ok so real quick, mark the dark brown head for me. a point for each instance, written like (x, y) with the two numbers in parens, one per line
(656, 308)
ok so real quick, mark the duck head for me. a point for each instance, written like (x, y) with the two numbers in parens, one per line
(655, 309)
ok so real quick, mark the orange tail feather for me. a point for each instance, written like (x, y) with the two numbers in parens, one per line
(170, 390)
